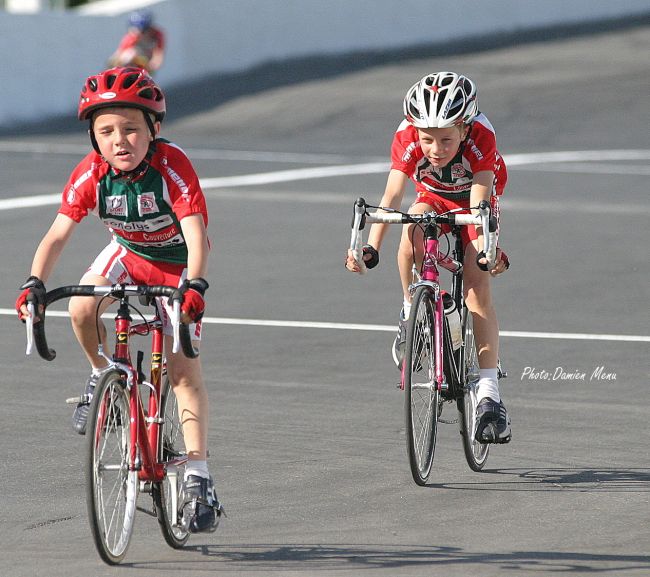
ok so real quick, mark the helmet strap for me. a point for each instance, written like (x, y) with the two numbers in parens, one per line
(149, 122)
(93, 140)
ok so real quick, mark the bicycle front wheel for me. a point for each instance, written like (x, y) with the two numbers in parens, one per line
(167, 494)
(111, 488)
(422, 398)
(476, 453)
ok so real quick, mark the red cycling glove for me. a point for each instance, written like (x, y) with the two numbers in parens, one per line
(35, 286)
(193, 304)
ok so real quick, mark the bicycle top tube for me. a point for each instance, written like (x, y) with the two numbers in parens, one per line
(36, 330)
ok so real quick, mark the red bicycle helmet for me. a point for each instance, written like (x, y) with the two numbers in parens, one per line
(128, 86)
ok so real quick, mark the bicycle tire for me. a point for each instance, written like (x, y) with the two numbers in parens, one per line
(111, 488)
(167, 493)
(422, 399)
(476, 453)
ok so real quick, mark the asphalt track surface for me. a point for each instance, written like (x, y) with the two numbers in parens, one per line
(307, 435)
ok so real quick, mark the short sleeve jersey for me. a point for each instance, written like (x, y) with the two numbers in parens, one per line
(142, 209)
(454, 181)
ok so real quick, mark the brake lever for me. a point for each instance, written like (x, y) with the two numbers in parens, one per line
(176, 324)
(358, 225)
(29, 324)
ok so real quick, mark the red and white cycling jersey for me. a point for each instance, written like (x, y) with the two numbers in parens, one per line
(453, 182)
(143, 208)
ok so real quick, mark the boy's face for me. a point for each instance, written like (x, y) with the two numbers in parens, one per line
(123, 136)
(440, 145)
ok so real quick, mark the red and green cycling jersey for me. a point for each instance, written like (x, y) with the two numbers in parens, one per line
(142, 208)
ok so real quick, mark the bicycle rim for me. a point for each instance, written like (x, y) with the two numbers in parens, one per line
(111, 488)
(167, 494)
(476, 453)
(421, 402)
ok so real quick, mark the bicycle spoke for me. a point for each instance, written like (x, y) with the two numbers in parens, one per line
(172, 451)
(112, 488)
(476, 453)
(421, 400)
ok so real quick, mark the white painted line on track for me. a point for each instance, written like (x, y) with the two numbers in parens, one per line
(295, 174)
(512, 160)
(379, 328)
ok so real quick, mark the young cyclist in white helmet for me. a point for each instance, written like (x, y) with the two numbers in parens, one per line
(447, 147)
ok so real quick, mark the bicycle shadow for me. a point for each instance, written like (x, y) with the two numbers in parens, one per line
(562, 478)
(313, 558)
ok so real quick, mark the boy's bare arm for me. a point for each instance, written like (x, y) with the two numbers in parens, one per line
(51, 246)
(393, 194)
(196, 238)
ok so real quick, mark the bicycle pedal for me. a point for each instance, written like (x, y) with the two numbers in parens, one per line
(80, 400)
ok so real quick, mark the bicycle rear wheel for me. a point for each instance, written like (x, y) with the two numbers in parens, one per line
(167, 494)
(111, 488)
(422, 400)
(476, 453)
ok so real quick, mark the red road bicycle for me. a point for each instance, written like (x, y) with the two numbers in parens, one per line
(134, 435)
(440, 360)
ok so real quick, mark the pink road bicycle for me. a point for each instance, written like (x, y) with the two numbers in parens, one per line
(440, 361)
(134, 435)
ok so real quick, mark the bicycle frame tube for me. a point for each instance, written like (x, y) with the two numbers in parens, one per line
(431, 274)
(156, 381)
(144, 430)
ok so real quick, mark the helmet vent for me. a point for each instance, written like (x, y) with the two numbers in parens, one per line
(427, 106)
(130, 80)
(146, 93)
(110, 80)
(92, 84)
(440, 101)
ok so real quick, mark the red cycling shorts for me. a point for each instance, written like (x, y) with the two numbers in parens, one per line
(119, 265)
(440, 205)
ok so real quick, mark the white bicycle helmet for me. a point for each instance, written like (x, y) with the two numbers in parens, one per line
(441, 100)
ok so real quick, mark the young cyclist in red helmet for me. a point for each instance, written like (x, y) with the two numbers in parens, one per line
(448, 149)
(145, 190)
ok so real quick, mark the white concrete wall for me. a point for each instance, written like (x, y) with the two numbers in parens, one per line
(47, 56)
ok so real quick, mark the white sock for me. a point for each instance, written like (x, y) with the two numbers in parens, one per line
(407, 309)
(488, 385)
(197, 467)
